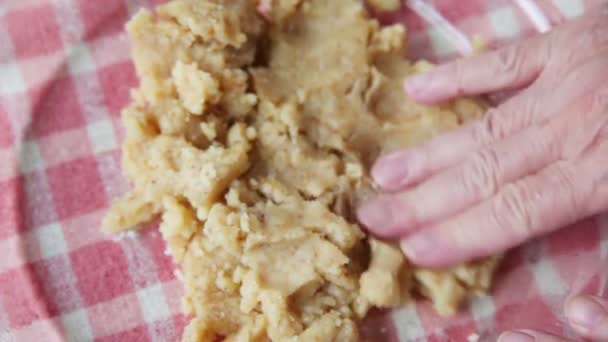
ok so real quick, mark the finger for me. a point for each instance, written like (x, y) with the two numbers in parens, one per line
(512, 66)
(558, 195)
(404, 168)
(476, 179)
(588, 315)
(529, 336)
(506, 68)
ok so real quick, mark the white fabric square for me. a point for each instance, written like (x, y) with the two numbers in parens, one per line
(30, 158)
(80, 59)
(11, 81)
(76, 326)
(504, 22)
(101, 134)
(51, 240)
(153, 303)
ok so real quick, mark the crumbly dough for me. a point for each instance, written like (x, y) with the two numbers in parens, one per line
(253, 141)
(385, 5)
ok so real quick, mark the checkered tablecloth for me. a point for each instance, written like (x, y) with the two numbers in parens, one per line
(65, 74)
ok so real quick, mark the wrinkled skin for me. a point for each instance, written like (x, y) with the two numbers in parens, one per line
(535, 163)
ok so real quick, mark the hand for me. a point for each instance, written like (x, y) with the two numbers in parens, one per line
(536, 162)
(586, 314)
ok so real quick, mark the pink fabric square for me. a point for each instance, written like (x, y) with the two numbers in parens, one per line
(58, 284)
(77, 187)
(581, 237)
(463, 10)
(577, 245)
(102, 17)
(137, 334)
(423, 46)
(64, 146)
(21, 297)
(514, 273)
(11, 192)
(40, 70)
(413, 21)
(8, 164)
(12, 253)
(6, 132)
(168, 329)
(115, 316)
(377, 326)
(34, 30)
(17, 107)
(110, 49)
(102, 272)
(116, 82)
(43, 330)
(180, 322)
(84, 230)
(537, 316)
(55, 107)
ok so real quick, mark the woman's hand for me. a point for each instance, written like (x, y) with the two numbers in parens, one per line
(535, 163)
(587, 315)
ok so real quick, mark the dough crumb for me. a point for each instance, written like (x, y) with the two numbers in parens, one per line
(252, 140)
(385, 5)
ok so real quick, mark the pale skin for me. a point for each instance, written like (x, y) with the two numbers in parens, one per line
(536, 162)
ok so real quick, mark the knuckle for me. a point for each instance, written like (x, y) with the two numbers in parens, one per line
(511, 213)
(510, 61)
(490, 127)
(481, 174)
(531, 111)
(546, 139)
(565, 181)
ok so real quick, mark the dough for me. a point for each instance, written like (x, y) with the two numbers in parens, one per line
(385, 5)
(253, 141)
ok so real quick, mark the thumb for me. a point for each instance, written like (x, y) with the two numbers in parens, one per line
(588, 315)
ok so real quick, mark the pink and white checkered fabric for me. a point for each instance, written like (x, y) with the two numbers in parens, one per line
(65, 74)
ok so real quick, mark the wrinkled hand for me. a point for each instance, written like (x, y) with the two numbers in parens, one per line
(586, 314)
(537, 162)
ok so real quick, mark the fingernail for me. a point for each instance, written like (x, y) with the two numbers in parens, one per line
(382, 215)
(418, 246)
(516, 336)
(418, 83)
(586, 312)
(391, 171)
